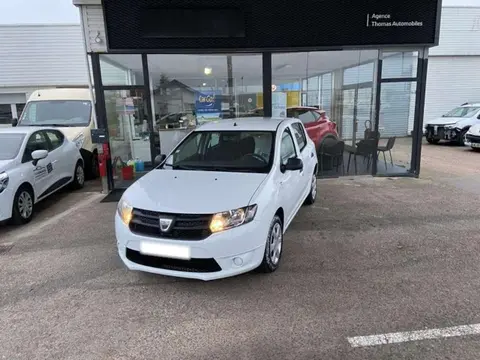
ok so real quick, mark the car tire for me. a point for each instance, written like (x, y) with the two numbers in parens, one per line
(23, 206)
(273, 247)
(312, 196)
(433, 141)
(78, 177)
(462, 138)
(91, 166)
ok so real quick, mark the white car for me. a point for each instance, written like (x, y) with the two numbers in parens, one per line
(473, 137)
(454, 125)
(35, 162)
(220, 203)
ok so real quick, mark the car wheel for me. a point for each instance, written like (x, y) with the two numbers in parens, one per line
(462, 139)
(273, 247)
(433, 141)
(91, 166)
(78, 177)
(23, 206)
(312, 196)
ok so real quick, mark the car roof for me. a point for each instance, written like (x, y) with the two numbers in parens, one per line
(24, 129)
(244, 124)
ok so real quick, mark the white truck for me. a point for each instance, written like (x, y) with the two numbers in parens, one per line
(71, 111)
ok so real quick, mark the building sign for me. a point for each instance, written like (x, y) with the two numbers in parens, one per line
(208, 106)
(256, 25)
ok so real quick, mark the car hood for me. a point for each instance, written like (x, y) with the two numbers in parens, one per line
(448, 121)
(194, 192)
(6, 165)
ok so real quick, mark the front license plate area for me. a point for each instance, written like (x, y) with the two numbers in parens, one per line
(165, 250)
(475, 145)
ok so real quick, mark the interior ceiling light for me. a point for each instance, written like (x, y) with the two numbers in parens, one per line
(207, 70)
(204, 84)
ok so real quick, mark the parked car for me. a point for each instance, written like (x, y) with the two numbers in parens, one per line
(473, 137)
(35, 162)
(454, 125)
(219, 203)
(316, 122)
(69, 110)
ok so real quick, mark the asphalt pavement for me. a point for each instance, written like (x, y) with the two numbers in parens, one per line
(372, 256)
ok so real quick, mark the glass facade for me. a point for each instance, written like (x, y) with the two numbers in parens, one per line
(360, 107)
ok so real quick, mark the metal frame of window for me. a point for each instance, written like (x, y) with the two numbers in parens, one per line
(375, 85)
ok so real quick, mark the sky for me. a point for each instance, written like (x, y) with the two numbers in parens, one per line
(62, 11)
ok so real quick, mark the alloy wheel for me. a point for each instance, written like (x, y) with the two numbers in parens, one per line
(276, 240)
(314, 186)
(80, 175)
(25, 204)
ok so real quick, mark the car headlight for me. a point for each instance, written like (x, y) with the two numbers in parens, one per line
(3, 181)
(233, 218)
(125, 211)
(79, 140)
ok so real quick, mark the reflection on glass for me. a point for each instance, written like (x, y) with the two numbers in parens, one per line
(121, 69)
(129, 132)
(188, 90)
(399, 64)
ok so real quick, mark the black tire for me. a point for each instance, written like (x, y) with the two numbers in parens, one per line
(78, 177)
(433, 141)
(23, 206)
(269, 264)
(91, 167)
(312, 196)
(461, 138)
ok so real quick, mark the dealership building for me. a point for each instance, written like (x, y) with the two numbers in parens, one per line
(150, 61)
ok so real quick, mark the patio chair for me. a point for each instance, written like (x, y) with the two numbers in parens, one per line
(333, 152)
(388, 147)
(364, 148)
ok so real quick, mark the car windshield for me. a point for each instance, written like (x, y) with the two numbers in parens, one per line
(229, 151)
(67, 113)
(463, 111)
(10, 145)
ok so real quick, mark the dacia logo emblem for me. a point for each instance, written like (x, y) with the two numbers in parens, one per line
(165, 224)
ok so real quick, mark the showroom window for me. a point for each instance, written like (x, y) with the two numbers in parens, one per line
(5, 114)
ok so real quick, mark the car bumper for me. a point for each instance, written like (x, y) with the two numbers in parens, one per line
(221, 255)
(439, 132)
(473, 141)
(6, 204)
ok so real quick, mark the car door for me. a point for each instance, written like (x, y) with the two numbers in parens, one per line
(40, 174)
(306, 153)
(289, 180)
(62, 168)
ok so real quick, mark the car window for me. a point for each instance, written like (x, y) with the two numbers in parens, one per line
(287, 147)
(226, 151)
(37, 141)
(463, 111)
(304, 115)
(299, 134)
(10, 145)
(56, 139)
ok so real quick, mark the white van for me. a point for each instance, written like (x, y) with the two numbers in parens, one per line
(71, 110)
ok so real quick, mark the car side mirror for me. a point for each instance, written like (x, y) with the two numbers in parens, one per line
(38, 155)
(159, 159)
(14, 122)
(293, 164)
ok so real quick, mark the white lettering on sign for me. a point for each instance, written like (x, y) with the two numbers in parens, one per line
(386, 20)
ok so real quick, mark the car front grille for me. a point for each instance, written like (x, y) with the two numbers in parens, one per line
(184, 227)
(192, 265)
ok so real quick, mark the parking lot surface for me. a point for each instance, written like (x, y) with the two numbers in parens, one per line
(373, 256)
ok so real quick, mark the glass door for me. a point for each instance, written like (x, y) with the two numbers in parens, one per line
(129, 127)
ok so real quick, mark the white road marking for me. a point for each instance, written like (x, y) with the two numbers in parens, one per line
(54, 219)
(401, 337)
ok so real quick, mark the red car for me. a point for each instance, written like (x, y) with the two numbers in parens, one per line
(316, 122)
